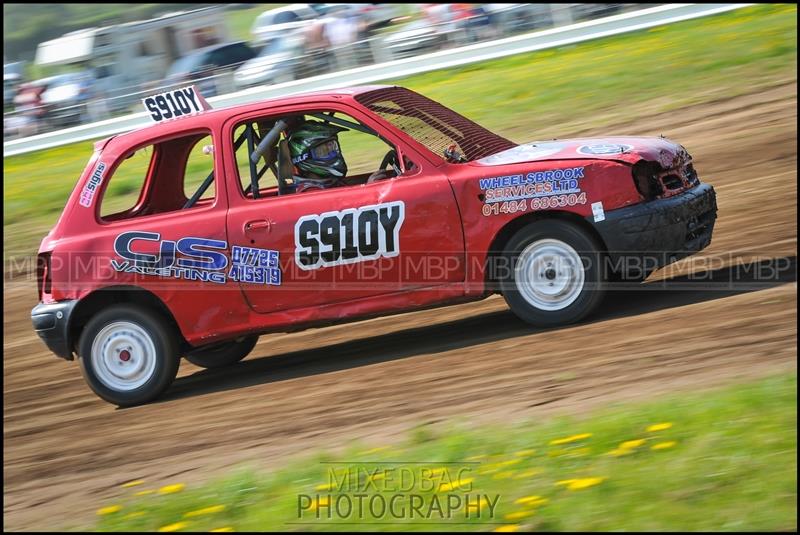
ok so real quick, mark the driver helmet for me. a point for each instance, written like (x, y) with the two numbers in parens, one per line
(314, 149)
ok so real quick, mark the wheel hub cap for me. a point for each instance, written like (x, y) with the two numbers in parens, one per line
(123, 356)
(549, 274)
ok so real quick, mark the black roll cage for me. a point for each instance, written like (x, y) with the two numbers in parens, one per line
(257, 145)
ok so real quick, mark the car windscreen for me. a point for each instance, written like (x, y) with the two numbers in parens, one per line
(433, 125)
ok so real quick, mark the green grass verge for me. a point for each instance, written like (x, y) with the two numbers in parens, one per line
(731, 465)
(537, 95)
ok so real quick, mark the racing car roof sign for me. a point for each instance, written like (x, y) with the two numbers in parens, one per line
(175, 103)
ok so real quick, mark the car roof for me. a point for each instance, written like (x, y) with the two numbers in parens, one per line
(203, 119)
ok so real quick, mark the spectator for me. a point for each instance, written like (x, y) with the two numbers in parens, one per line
(316, 52)
(341, 31)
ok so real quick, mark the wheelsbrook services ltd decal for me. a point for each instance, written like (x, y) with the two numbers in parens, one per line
(537, 190)
(174, 104)
(91, 185)
(349, 236)
(196, 259)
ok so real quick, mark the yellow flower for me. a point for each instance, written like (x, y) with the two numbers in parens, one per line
(321, 502)
(518, 515)
(205, 511)
(530, 500)
(632, 444)
(578, 484)
(446, 487)
(326, 486)
(376, 450)
(663, 445)
(133, 515)
(226, 529)
(171, 489)
(177, 526)
(565, 481)
(525, 453)
(130, 484)
(509, 528)
(505, 474)
(659, 427)
(378, 476)
(527, 473)
(567, 440)
(620, 452)
(476, 457)
(109, 510)
(144, 492)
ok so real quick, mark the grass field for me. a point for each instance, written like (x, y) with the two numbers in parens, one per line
(545, 94)
(719, 460)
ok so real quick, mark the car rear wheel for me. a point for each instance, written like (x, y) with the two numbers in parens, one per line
(223, 355)
(552, 273)
(128, 355)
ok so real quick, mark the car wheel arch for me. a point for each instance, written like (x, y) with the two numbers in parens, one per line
(95, 301)
(508, 230)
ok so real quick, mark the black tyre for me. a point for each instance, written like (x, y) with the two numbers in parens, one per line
(128, 355)
(552, 273)
(223, 355)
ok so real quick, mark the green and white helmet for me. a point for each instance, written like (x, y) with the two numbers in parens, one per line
(314, 149)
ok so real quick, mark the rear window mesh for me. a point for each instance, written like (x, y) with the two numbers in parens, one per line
(431, 124)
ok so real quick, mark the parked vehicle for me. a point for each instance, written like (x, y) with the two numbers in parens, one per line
(276, 62)
(66, 98)
(12, 77)
(416, 37)
(207, 62)
(125, 58)
(283, 21)
(510, 19)
(206, 257)
(376, 16)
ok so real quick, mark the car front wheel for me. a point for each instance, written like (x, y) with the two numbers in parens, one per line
(552, 273)
(128, 355)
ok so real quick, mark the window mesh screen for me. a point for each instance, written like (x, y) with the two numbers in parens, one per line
(431, 124)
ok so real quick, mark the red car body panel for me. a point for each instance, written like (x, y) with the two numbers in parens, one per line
(445, 211)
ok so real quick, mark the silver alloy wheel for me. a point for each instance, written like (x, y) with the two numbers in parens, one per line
(549, 274)
(123, 356)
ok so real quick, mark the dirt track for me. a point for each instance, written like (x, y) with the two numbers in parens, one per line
(65, 450)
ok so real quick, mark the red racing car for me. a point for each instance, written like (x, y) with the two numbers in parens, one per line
(194, 236)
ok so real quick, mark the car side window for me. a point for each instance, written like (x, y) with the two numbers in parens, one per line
(278, 171)
(286, 16)
(175, 174)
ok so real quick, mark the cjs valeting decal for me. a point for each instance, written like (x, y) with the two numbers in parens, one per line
(197, 259)
(349, 236)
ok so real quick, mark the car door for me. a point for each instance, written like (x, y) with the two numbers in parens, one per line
(346, 243)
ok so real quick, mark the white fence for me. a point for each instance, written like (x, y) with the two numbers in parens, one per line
(574, 33)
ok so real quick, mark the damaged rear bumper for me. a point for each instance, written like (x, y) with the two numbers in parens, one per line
(647, 236)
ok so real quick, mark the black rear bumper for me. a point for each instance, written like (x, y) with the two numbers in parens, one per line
(51, 323)
(647, 236)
